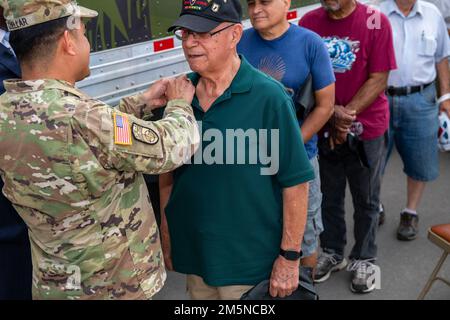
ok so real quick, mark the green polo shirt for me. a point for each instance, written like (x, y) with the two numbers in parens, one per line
(224, 214)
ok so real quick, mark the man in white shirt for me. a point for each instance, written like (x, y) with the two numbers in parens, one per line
(442, 5)
(421, 47)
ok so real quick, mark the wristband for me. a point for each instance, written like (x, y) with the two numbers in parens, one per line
(443, 98)
(290, 255)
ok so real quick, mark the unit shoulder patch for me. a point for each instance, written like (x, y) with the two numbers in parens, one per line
(145, 135)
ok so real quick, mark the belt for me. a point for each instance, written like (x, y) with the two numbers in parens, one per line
(404, 91)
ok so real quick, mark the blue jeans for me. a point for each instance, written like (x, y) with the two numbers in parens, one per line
(413, 129)
(364, 184)
(314, 225)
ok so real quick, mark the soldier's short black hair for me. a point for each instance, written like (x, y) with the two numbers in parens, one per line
(39, 41)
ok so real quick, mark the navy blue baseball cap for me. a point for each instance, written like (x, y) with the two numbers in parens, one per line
(205, 15)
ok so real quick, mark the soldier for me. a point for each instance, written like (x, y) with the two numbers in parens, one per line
(72, 166)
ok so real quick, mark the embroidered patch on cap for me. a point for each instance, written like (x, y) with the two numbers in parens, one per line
(215, 7)
(198, 5)
(145, 135)
(122, 132)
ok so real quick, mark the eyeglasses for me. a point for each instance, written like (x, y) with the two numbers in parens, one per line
(183, 34)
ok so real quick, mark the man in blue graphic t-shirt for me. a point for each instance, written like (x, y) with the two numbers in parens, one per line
(289, 54)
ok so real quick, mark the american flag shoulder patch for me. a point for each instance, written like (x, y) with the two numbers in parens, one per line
(122, 130)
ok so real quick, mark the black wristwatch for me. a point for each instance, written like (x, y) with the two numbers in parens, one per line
(290, 255)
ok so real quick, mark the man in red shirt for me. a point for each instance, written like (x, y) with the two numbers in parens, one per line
(359, 41)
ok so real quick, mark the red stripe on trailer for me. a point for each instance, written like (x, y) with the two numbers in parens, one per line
(165, 44)
(292, 15)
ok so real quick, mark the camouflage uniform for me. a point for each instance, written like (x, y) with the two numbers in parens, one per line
(72, 168)
(91, 225)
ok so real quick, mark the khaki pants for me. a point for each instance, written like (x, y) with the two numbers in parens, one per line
(199, 290)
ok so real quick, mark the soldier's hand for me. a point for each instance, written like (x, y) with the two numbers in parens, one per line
(180, 88)
(155, 96)
(284, 278)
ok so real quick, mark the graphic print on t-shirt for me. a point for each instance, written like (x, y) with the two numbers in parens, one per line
(342, 52)
(273, 65)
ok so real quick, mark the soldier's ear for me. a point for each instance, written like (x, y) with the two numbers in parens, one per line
(68, 44)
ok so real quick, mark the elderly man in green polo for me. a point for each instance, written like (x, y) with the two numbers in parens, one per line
(229, 224)
(72, 165)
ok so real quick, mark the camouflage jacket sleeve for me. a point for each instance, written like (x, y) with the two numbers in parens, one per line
(134, 105)
(124, 142)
